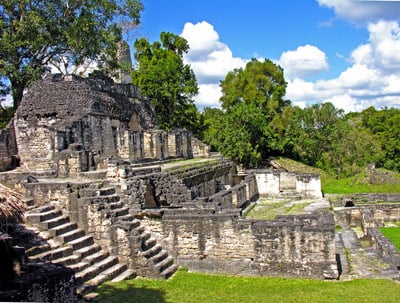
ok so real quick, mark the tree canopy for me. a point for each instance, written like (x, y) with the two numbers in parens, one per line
(34, 34)
(252, 98)
(168, 82)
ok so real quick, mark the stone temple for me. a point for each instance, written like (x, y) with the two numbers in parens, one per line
(107, 203)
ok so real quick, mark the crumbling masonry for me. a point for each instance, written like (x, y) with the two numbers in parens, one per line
(93, 161)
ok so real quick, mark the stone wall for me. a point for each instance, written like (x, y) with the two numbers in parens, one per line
(272, 183)
(206, 180)
(200, 150)
(370, 218)
(25, 281)
(8, 149)
(301, 246)
(384, 246)
(236, 197)
(180, 144)
(69, 125)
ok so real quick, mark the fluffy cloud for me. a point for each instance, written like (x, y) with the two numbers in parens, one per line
(363, 11)
(305, 61)
(373, 79)
(210, 59)
(383, 50)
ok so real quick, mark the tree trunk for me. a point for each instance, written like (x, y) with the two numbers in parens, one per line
(17, 93)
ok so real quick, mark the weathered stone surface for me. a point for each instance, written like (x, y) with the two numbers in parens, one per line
(300, 246)
(275, 182)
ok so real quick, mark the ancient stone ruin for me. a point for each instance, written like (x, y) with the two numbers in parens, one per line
(109, 203)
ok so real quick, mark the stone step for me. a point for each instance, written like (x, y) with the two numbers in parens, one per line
(41, 209)
(51, 214)
(169, 271)
(71, 235)
(54, 222)
(93, 270)
(129, 225)
(96, 257)
(108, 274)
(140, 230)
(107, 191)
(115, 205)
(126, 218)
(79, 267)
(38, 249)
(164, 264)
(162, 255)
(68, 260)
(34, 216)
(152, 251)
(53, 254)
(149, 243)
(114, 271)
(81, 242)
(88, 250)
(127, 274)
(102, 199)
(120, 212)
(63, 228)
(96, 192)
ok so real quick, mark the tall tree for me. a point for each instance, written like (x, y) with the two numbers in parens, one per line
(34, 33)
(385, 125)
(166, 80)
(251, 100)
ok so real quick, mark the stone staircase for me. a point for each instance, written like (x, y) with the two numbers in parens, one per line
(69, 246)
(160, 262)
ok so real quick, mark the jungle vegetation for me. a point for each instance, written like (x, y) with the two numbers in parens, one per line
(254, 122)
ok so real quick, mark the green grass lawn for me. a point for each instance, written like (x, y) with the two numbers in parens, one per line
(393, 234)
(188, 287)
(350, 186)
(359, 183)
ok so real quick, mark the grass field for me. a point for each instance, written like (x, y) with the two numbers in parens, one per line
(358, 183)
(187, 287)
(393, 234)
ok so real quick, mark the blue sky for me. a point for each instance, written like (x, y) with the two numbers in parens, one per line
(342, 51)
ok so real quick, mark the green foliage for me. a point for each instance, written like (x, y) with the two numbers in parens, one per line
(385, 125)
(321, 136)
(357, 183)
(393, 234)
(193, 287)
(34, 34)
(5, 116)
(167, 81)
(252, 97)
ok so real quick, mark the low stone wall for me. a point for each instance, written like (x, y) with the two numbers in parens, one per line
(366, 199)
(200, 149)
(384, 246)
(371, 218)
(272, 183)
(208, 179)
(236, 197)
(372, 215)
(8, 150)
(301, 246)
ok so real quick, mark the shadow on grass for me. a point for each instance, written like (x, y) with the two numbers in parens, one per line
(111, 293)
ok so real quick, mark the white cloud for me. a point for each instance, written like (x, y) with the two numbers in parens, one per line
(373, 79)
(383, 50)
(305, 61)
(7, 101)
(363, 11)
(209, 95)
(210, 59)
